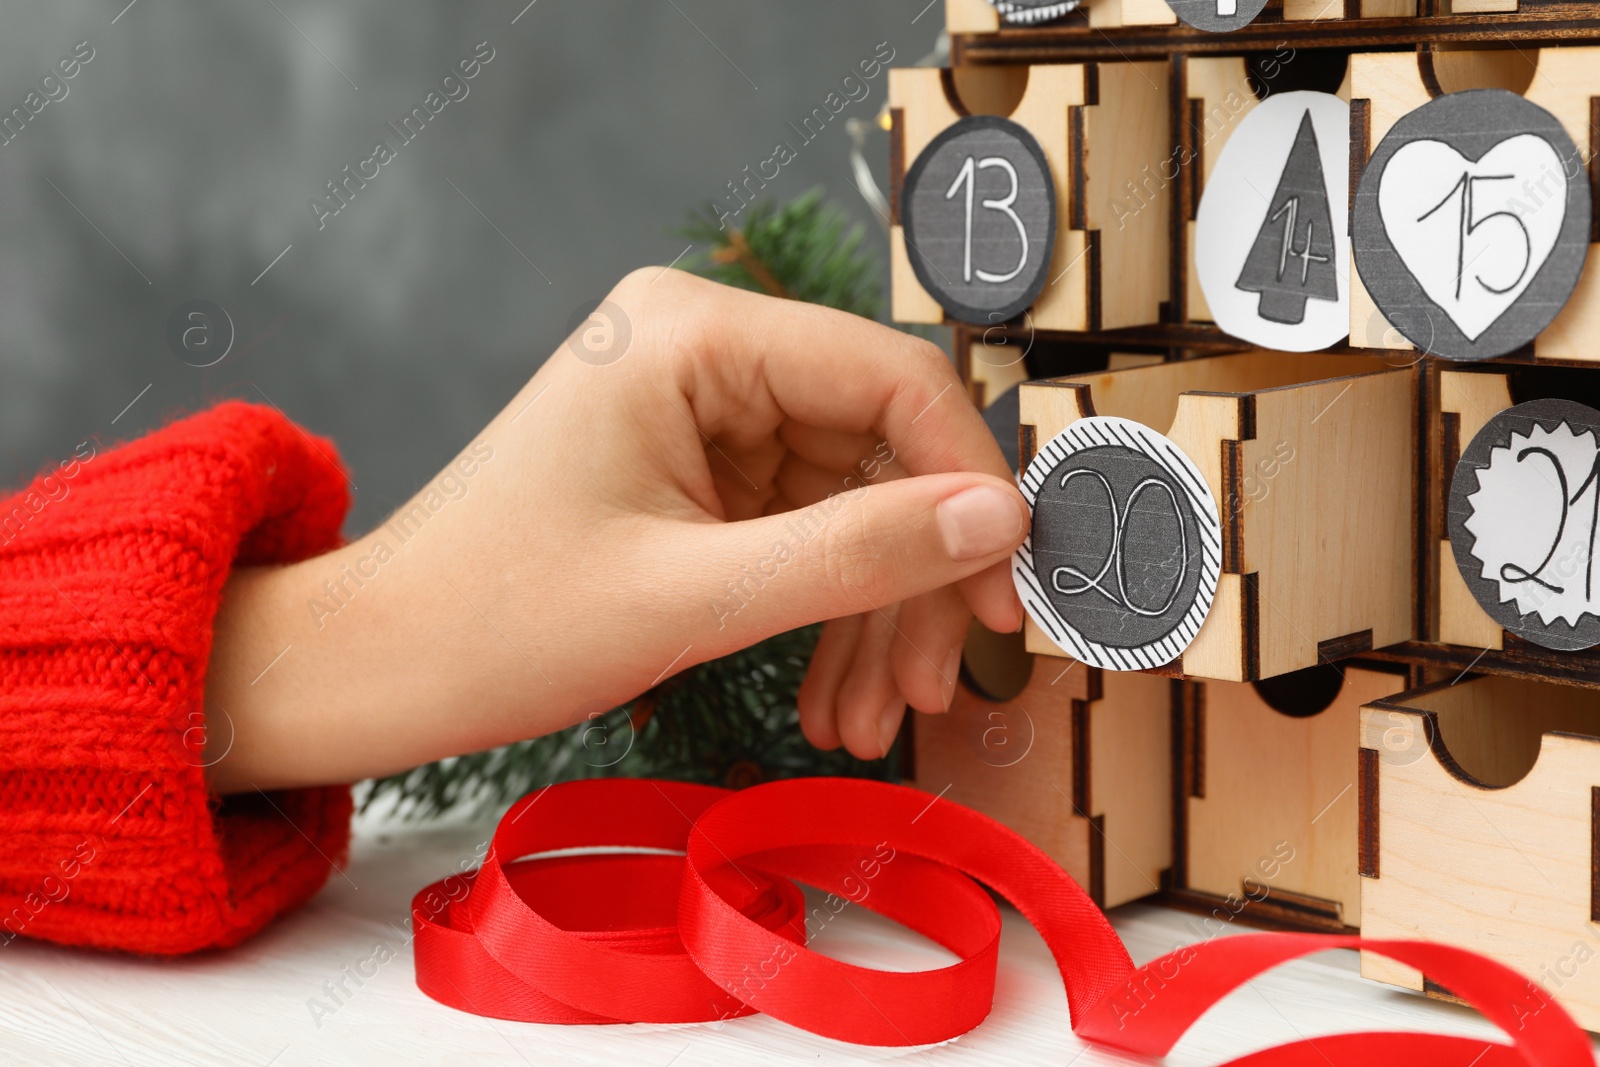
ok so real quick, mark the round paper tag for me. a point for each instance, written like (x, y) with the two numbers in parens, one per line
(1123, 558)
(1524, 505)
(1271, 246)
(1217, 16)
(1033, 12)
(979, 211)
(1471, 223)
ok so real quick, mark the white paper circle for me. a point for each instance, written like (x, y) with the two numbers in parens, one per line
(1239, 197)
(1122, 559)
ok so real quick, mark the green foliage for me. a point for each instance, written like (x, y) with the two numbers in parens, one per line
(732, 721)
(808, 247)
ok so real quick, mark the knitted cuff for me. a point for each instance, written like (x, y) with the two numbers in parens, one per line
(111, 570)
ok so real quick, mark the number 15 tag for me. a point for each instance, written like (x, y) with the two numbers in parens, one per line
(1471, 223)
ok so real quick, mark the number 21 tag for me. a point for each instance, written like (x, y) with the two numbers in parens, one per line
(1525, 521)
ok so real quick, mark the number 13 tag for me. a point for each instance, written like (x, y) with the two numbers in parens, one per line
(1524, 518)
(979, 211)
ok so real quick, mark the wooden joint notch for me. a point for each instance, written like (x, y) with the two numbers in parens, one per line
(1594, 169)
(1077, 213)
(1194, 732)
(1360, 145)
(1368, 802)
(1233, 475)
(897, 161)
(1250, 624)
(1080, 758)
(1337, 648)
(1594, 854)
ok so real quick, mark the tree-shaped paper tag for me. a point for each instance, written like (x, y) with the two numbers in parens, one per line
(1292, 258)
(1271, 248)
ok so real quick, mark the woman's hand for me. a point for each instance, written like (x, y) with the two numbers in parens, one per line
(698, 468)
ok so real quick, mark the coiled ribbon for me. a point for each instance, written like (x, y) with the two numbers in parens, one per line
(710, 925)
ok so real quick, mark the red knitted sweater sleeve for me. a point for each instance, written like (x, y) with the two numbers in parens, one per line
(111, 571)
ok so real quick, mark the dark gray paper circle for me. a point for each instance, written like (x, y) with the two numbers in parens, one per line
(1033, 12)
(1475, 242)
(1121, 563)
(1217, 16)
(965, 178)
(1522, 522)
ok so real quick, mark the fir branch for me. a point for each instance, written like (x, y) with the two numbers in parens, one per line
(807, 246)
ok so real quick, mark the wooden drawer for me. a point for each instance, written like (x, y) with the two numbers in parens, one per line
(1217, 97)
(1308, 456)
(1219, 93)
(1268, 787)
(1564, 81)
(976, 16)
(1480, 828)
(1468, 399)
(1551, 9)
(1079, 761)
(1099, 125)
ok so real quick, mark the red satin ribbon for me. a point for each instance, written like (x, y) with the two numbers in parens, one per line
(720, 931)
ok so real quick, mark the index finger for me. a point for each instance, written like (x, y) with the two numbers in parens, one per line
(757, 360)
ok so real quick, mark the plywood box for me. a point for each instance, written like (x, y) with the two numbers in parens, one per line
(1100, 125)
(1480, 828)
(1311, 459)
(1079, 762)
(1564, 81)
(1269, 788)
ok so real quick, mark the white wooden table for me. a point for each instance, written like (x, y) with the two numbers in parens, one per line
(253, 1005)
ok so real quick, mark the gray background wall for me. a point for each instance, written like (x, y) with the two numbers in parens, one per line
(181, 160)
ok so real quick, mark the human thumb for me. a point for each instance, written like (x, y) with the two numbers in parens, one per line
(856, 551)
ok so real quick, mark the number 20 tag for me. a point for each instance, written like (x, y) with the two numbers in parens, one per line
(1121, 563)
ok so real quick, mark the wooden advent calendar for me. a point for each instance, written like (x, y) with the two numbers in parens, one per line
(1385, 711)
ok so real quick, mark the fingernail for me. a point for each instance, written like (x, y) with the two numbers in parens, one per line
(979, 522)
(952, 671)
(889, 723)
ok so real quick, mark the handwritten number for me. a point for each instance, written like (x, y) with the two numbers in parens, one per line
(967, 176)
(1467, 224)
(1510, 572)
(1289, 212)
(1114, 562)
(1290, 208)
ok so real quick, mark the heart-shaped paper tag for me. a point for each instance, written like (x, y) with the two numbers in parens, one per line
(1470, 224)
(1474, 233)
